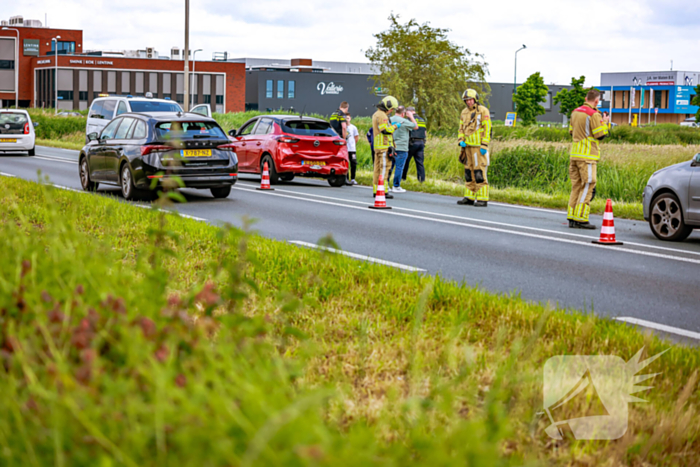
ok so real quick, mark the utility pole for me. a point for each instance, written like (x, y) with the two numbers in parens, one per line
(186, 104)
(515, 73)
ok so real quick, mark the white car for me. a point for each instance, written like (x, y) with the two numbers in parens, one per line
(104, 109)
(690, 122)
(16, 131)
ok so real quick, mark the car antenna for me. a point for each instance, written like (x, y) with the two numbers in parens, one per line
(301, 115)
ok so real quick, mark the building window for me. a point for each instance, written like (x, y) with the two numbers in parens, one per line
(207, 98)
(290, 89)
(7, 64)
(280, 89)
(268, 89)
(64, 47)
(82, 95)
(220, 99)
(547, 102)
(624, 99)
(65, 95)
(180, 98)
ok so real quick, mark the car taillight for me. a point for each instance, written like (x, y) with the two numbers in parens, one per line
(154, 148)
(26, 128)
(287, 139)
(226, 147)
(339, 142)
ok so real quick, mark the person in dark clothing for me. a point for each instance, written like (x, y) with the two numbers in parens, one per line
(370, 139)
(338, 121)
(416, 147)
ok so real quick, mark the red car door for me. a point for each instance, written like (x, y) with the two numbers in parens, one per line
(259, 142)
(242, 142)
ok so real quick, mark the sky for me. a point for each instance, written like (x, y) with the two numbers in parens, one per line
(564, 38)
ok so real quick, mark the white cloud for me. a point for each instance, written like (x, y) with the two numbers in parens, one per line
(564, 38)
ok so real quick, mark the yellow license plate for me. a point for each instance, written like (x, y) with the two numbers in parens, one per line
(8, 140)
(320, 164)
(195, 153)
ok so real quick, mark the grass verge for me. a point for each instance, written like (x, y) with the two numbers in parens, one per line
(136, 337)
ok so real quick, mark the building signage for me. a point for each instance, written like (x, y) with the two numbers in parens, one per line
(330, 88)
(31, 47)
(665, 79)
(80, 61)
(42, 62)
(683, 100)
(661, 83)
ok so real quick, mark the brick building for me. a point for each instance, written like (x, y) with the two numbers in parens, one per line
(82, 77)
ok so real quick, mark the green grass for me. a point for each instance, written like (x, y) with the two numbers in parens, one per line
(134, 337)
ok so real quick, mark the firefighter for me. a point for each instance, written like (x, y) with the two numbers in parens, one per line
(383, 139)
(587, 127)
(474, 137)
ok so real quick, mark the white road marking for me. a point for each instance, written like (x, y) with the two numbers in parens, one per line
(7, 175)
(660, 327)
(503, 224)
(56, 159)
(483, 227)
(67, 189)
(167, 211)
(357, 256)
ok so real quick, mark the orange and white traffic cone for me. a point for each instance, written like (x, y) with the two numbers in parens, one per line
(607, 230)
(380, 198)
(265, 181)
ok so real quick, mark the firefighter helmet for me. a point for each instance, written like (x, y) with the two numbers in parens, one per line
(470, 94)
(389, 102)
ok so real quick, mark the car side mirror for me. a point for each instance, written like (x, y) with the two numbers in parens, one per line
(696, 160)
(36, 124)
(232, 132)
(92, 136)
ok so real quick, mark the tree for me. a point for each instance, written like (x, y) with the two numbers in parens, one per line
(417, 63)
(571, 99)
(696, 101)
(529, 98)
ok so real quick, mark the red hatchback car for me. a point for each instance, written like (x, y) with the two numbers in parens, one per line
(291, 145)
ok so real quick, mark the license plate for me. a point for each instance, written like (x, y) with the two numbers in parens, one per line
(8, 140)
(312, 163)
(195, 152)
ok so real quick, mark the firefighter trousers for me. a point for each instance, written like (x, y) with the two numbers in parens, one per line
(381, 168)
(475, 167)
(583, 180)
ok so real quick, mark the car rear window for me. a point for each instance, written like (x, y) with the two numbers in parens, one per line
(171, 130)
(12, 123)
(308, 128)
(154, 106)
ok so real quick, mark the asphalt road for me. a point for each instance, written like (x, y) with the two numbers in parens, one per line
(503, 248)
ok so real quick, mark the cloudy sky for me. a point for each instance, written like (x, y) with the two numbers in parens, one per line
(564, 38)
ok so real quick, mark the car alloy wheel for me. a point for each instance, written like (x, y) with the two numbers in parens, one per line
(85, 176)
(666, 219)
(127, 186)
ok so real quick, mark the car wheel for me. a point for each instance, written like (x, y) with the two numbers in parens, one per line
(287, 177)
(129, 191)
(221, 192)
(85, 182)
(336, 180)
(666, 219)
(274, 176)
(32, 151)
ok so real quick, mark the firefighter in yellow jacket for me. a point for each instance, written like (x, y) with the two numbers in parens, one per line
(383, 140)
(474, 137)
(587, 127)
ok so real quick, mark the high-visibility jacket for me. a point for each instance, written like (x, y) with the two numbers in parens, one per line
(587, 128)
(475, 126)
(383, 131)
(337, 119)
(421, 132)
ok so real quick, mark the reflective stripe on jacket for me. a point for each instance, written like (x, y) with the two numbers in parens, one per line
(475, 126)
(586, 128)
(421, 132)
(383, 130)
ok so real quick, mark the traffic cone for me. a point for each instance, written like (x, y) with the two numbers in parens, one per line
(607, 230)
(265, 181)
(380, 198)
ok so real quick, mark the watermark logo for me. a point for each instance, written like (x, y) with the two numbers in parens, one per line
(587, 395)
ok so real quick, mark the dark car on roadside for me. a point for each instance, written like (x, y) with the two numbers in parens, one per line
(292, 146)
(139, 152)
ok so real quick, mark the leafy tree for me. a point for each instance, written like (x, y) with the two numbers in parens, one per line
(571, 99)
(529, 97)
(696, 101)
(419, 62)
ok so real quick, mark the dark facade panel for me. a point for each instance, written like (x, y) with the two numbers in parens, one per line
(319, 93)
(501, 101)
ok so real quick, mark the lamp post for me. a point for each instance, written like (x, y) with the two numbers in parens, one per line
(515, 72)
(194, 64)
(16, 63)
(55, 57)
(186, 97)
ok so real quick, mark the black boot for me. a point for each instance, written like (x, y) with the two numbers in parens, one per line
(466, 201)
(481, 204)
(581, 225)
(389, 196)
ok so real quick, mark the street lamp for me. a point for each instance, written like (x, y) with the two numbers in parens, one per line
(515, 73)
(55, 57)
(186, 99)
(194, 64)
(16, 63)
